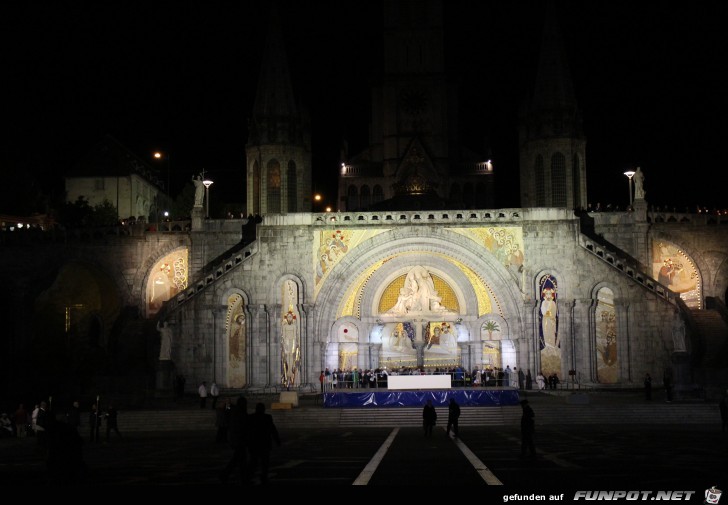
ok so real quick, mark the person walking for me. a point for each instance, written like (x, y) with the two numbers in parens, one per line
(202, 393)
(215, 393)
(238, 440)
(528, 428)
(429, 418)
(263, 433)
(112, 421)
(648, 387)
(453, 415)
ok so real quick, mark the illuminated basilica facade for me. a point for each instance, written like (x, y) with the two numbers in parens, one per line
(416, 268)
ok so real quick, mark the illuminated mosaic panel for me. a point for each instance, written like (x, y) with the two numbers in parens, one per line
(391, 294)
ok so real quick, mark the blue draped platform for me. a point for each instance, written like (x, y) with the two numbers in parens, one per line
(470, 397)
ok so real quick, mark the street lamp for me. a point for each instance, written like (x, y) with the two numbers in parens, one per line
(158, 156)
(207, 183)
(629, 174)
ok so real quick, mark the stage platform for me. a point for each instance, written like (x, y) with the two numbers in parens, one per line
(466, 397)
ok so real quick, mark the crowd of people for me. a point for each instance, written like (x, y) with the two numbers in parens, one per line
(57, 430)
(485, 377)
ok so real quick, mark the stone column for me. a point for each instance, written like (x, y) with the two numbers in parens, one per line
(219, 347)
(583, 341)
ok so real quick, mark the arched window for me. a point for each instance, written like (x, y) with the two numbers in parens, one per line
(540, 182)
(292, 182)
(558, 180)
(377, 194)
(576, 178)
(365, 197)
(273, 184)
(352, 198)
(256, 188)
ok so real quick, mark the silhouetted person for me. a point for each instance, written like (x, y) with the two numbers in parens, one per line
(453, 415)
(667, 382)
(65, 454)
(648, 387)
(528, 427)
(723, 406)
(529, 380)
(73, 417)
(94, 423)
(262, 433)
(238, 439)
(429, 418)
(112, 422)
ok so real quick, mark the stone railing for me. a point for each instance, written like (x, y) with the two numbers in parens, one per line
(627, 267)
(211, 275)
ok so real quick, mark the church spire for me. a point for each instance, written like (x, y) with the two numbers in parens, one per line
(551, 138)
(278, 152)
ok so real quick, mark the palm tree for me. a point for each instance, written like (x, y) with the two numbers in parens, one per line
(490, 327)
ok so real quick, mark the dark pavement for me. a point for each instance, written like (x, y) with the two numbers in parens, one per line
(590, 457)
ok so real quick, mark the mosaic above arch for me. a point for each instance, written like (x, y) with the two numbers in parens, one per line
(351, 301)
(674, 269)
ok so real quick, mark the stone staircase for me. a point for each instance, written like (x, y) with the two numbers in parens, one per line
(548, 411)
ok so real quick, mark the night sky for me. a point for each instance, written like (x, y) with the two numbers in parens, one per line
(181, 77)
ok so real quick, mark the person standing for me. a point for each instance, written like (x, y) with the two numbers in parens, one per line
(541, 381)
(648, 387)
(262, 433)
(723, 406)
(453, 416)
(215, 393)
(429, 418)
(238, 440)
(94, 423)
(73, 416)
(21, 421)
(34, 419)
(112, 421)
(667, 382)
(521, 378)
(42, 424)
(529, 379)
(202, 393)
(528, 428)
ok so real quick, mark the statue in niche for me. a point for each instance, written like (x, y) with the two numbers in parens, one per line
(418, 294)
(290, 349)
(165, 346)
(678, 333)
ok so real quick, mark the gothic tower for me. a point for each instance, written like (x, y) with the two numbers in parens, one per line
(551, 139)
(414, 159)
(278, 152)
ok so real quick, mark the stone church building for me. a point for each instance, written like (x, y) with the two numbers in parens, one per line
(417, 268)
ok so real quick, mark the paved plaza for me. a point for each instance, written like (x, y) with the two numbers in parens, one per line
(570, 457)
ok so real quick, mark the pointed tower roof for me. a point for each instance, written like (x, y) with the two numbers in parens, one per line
(554, 88)
(552, 110)
(274, 110)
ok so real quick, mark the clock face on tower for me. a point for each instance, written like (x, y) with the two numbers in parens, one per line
(412, 101)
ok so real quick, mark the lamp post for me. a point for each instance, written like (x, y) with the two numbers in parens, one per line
(207, 183)
(629, 174)
(158, 156)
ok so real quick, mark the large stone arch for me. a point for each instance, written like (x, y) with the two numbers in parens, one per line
(147, 269)
(233, 323)
(402, 247)
(695, 268)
